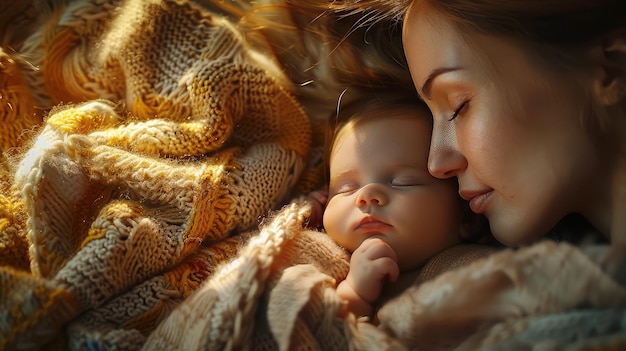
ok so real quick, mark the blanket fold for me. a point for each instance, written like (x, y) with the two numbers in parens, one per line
(500, 298)
(157, 154)
(278, 294)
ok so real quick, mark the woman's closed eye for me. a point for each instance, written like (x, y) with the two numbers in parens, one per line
(458, 111)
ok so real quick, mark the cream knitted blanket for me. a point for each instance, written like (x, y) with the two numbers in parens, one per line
(144, 141)
(279, 294)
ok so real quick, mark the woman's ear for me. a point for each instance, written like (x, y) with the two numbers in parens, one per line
(610, 83)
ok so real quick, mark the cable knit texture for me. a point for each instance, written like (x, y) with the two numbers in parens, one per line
(148, 152)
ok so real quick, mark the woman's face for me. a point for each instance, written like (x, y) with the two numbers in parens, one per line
(517, 143)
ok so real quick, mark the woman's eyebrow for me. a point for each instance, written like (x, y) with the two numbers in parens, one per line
(425, 90)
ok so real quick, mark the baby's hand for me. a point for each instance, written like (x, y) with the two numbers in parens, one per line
(318, 199)
(372, 264)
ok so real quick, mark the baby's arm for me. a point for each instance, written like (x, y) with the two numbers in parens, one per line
(371, 265)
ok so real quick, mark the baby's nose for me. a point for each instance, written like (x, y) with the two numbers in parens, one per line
(371, 194)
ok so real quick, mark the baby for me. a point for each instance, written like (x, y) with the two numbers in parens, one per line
(383, 205)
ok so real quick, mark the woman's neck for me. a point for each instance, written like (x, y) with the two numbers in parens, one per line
(607, 207)
(617, 220)
(602, 201)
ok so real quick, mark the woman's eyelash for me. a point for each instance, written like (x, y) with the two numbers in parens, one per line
(458, 111)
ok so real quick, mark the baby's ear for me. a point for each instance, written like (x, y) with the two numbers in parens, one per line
(610, 82)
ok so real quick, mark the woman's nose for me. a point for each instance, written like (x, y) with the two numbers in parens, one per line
(445, 160)
(371, 195)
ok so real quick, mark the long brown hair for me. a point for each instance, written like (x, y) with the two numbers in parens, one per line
(555, 21)
(325, 52)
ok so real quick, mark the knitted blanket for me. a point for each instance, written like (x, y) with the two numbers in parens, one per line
(148, 147)
(280, 294)
(166, 133)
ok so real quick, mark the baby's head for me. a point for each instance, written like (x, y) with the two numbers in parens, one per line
(380, 185)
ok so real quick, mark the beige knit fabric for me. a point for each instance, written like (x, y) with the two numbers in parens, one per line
(546, 294)
(170, 134)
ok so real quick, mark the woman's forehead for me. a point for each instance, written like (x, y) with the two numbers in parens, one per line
(434, 43)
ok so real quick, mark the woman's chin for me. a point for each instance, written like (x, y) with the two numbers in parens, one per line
(515, 234)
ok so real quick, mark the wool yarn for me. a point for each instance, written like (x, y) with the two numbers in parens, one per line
(168, 136)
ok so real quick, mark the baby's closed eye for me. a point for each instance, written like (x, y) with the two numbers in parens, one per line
(402, 181)
(346, 187)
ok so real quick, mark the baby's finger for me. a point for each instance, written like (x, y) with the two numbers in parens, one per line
(390, 267)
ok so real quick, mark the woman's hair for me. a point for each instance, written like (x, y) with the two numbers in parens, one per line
(559, 27)
(559, 22)
(548, 21)
(324, 52)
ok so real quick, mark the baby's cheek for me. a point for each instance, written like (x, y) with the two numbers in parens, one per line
(347, 242)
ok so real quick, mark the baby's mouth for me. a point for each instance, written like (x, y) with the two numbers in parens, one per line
(372, 224)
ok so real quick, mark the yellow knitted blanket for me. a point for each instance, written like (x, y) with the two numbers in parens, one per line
(166, 134)
(148, 147)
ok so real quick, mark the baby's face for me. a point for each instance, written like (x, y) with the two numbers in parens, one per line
(380, 186)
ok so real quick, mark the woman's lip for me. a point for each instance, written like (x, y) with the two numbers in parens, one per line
(478, 203)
